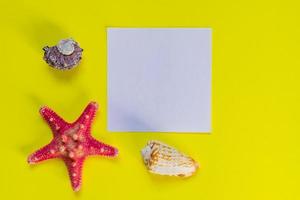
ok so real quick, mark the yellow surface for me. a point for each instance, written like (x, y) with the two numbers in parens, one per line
(253, 151)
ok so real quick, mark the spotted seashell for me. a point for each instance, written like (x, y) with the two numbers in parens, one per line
(65, 55)
(162, 159)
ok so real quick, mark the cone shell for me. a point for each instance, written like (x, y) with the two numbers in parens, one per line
(162, 159)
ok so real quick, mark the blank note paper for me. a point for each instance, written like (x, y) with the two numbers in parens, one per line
(159, 79)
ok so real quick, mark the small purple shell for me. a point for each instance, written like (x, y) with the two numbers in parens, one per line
(65, 55)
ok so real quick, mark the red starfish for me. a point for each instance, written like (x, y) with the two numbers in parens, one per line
(72, 142)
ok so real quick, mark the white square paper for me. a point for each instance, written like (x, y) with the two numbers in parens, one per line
(159, 79)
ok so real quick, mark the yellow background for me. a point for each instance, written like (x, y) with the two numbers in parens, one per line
(253, 151)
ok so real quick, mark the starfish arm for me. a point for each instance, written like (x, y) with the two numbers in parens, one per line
(75, 171)
(47, 152)
(53, 119)
(99, 148)
(88, 115)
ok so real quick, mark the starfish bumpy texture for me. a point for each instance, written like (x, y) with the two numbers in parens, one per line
(72, 142)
